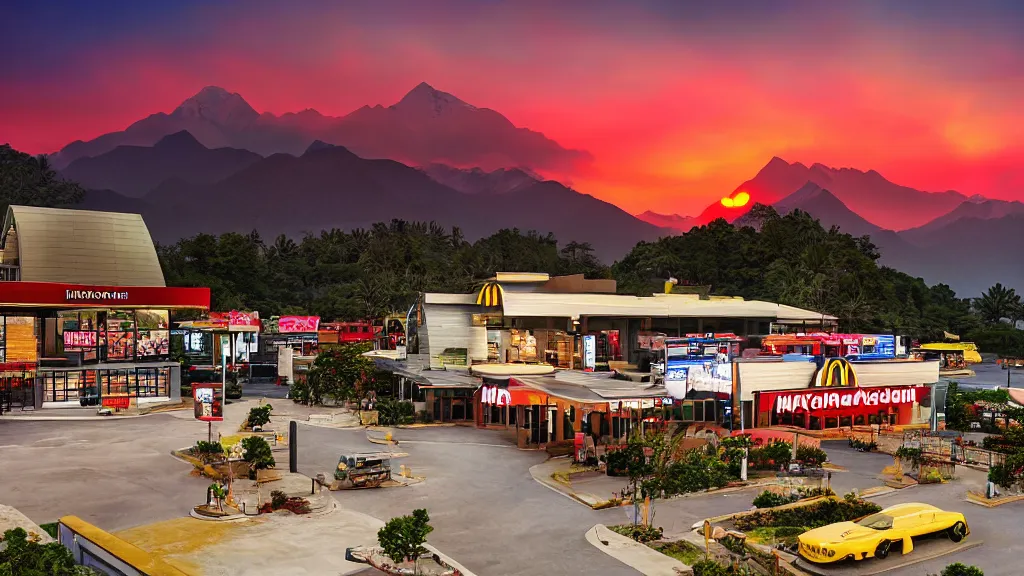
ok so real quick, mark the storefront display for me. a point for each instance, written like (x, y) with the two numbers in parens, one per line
(522, 346)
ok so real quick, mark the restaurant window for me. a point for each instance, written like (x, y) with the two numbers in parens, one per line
(831, 422)
(858, 420)
(119, 336)
(154, 338)
(709, 410)
(845, 421)
(698, 411)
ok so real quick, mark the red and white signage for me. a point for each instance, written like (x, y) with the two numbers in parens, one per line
(494, 395)
(74, 339)
(298, 324)
(811, 401)
(58, 295)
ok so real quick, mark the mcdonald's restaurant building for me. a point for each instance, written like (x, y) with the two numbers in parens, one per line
(835, 392)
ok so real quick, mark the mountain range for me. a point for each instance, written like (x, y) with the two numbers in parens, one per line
(214, 165)
(330, 187)
(425, 126)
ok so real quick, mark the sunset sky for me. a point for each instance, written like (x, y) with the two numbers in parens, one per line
(679, 102)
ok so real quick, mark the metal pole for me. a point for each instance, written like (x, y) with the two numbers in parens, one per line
(293, 446)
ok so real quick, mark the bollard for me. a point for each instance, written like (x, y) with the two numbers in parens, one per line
(293, 447)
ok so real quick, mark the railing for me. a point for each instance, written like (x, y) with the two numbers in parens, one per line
(10, 273)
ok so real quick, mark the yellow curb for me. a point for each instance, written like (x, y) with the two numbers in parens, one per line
(980, 499)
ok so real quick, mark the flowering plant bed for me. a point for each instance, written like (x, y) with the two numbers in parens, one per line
(279, 501)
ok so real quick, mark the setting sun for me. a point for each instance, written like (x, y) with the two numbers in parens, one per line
(740, 199)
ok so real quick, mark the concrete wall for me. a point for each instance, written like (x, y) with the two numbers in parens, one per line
(107, 553)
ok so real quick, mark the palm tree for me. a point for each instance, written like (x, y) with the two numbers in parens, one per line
(996, 303)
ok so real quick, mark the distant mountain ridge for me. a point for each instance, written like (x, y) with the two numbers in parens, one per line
(331, 187)
(424, 127)
(136, 170)
(479, 181)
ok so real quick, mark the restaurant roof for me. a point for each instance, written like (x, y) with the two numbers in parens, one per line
(417, 367)
(80, 247)
(591, 387)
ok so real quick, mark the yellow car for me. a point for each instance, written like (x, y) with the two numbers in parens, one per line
(873, 536)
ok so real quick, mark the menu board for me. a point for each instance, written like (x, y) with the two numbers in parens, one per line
(22, 345)
(209, 402)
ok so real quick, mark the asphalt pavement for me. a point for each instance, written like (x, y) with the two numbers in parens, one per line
(487, 511)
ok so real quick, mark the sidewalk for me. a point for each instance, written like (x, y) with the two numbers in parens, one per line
(638, 556)
(593, 489)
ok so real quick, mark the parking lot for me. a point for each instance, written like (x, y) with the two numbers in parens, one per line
(487, 511)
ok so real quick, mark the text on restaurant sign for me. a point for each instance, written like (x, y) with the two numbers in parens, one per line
(494, 395)
(809, 401)
(78, 295)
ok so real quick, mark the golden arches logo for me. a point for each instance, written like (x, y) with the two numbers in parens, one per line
(491, 294)
(836, 372)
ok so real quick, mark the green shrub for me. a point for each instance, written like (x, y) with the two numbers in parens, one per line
(23, 556)
(806, 453)
(638, 532)
(233, 389)
(208, 451)
(258, 416)
(403, 537)
(772, 455)
(958, 569)
(617, 462)
(814, 515)
(862, 445)
(697, 470)
(50, 528)
(769, 499)
(298, 391)
(257, 454)
(278, 499)
(709, 568)
(789, 531)
(393, 412)
(424, 416)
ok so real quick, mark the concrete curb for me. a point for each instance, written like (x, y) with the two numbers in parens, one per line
(914, 558)
(637, 556)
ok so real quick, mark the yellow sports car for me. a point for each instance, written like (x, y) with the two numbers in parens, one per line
(873, 536)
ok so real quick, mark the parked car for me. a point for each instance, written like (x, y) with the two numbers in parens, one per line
(875, 535)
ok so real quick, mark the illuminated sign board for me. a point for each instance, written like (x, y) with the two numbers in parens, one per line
(94, 295)
(862, 397)
(209, 402)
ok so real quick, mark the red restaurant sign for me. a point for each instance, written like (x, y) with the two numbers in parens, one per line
(812, 400)
(298, 324)
(57, 295)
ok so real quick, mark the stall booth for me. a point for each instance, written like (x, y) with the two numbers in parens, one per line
(284, 339)
(228, 337)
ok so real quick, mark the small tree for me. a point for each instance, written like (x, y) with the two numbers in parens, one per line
(257, 454)
(402, 538)
(259, 416)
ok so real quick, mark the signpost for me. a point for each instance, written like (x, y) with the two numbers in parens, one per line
(209, 404)
(707, 538)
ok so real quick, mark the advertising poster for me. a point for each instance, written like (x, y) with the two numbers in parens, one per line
(683, 376)
(77, 340)
(209, 402)
(298, 324)
(589, 352)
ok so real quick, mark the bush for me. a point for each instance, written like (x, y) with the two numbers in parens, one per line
(403, 537)
(813, 454)
(617, 461)
(424, 416)
(208, 451)
(862, 445)
(23, 556)
(392, 412)
(815, 515)
(278, 499)
(913, 456)
(772, 455)
(233, 389)
(958, 569)
(258, 416)
(769, 499)
(298, 392)
(709, 568)
(638, 532)
(257, 454)
(695, 471)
